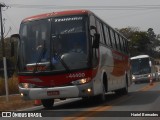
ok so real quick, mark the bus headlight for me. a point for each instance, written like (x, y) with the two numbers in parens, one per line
(133, 77)
(81, 81)
(26, 85)
(149, 76)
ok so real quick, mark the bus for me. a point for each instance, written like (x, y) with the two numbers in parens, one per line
(143, 68)
(48, 69)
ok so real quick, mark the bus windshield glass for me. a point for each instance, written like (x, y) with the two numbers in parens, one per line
(140, 66)
(54, 44)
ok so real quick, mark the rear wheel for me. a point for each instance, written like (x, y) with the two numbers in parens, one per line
(48, 103)
(102, 96)
(123, 91)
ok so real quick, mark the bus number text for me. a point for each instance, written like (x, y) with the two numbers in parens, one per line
(76, 75)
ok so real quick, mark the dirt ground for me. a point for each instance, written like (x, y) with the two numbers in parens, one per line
(15, 103)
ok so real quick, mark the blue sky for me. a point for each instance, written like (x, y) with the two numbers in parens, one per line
(143, 14)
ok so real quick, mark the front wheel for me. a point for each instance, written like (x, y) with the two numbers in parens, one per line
(102, 96)
(48, 103)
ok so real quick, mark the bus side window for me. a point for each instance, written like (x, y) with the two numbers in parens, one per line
(127, 46)
(121, 43)
(112, 38)
(124, 49)
(107, 37)
(117, 41)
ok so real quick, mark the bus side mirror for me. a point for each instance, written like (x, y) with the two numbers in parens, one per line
(96, 40)
(14, 38)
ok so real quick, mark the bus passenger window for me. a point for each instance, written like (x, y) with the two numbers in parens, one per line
(124, 45)
(117, 41)
(121, 43)
(106, 33)
(127, 47)
(112, 38)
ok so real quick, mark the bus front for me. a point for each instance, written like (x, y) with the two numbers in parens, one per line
(141, 69)
(49, 67)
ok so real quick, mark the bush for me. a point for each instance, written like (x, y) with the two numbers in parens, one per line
(12, 85)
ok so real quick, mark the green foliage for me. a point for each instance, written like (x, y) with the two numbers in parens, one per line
(141, 42)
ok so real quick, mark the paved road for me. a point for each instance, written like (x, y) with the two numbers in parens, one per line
(141, 98)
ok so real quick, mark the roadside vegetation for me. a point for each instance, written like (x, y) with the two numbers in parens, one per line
(12, 85)
(15, 101)
(142, 42)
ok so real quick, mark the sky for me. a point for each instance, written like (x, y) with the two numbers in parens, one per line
(119, 14)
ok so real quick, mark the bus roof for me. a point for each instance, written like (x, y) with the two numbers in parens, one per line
(54, 14)
(139, 56)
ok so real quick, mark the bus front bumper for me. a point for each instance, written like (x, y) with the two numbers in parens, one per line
(56, 92)
(141, 80)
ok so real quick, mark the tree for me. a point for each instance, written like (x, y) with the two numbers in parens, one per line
(154, 43)
(127, 32)
(151, 34)
(138, 40)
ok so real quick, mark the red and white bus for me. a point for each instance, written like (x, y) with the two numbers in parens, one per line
(48, 69)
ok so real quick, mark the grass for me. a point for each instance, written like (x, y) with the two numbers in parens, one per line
(15, 102)
(12, 85)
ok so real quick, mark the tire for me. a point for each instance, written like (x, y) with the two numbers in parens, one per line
(48, 103)
(122, 91)
(102, 97)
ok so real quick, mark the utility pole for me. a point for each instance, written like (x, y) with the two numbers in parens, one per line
(3, 54)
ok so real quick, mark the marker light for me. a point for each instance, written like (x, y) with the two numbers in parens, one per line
(89, 90)
(26, 85)
(22, 94)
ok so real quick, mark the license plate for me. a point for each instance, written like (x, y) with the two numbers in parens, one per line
(50, 93)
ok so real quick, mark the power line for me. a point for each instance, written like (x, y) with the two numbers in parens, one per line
(132, 7)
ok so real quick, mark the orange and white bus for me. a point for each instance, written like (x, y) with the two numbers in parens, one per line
(49, 69)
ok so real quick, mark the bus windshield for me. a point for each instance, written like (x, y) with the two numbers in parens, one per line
(140, 66)
(54, 44)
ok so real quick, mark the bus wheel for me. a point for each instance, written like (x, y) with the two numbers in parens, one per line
(47, 103)
(124, 90)
(102, 97)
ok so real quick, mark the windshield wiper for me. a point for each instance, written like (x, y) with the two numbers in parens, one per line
(54, 37)
(62, 61)
(41, 55)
